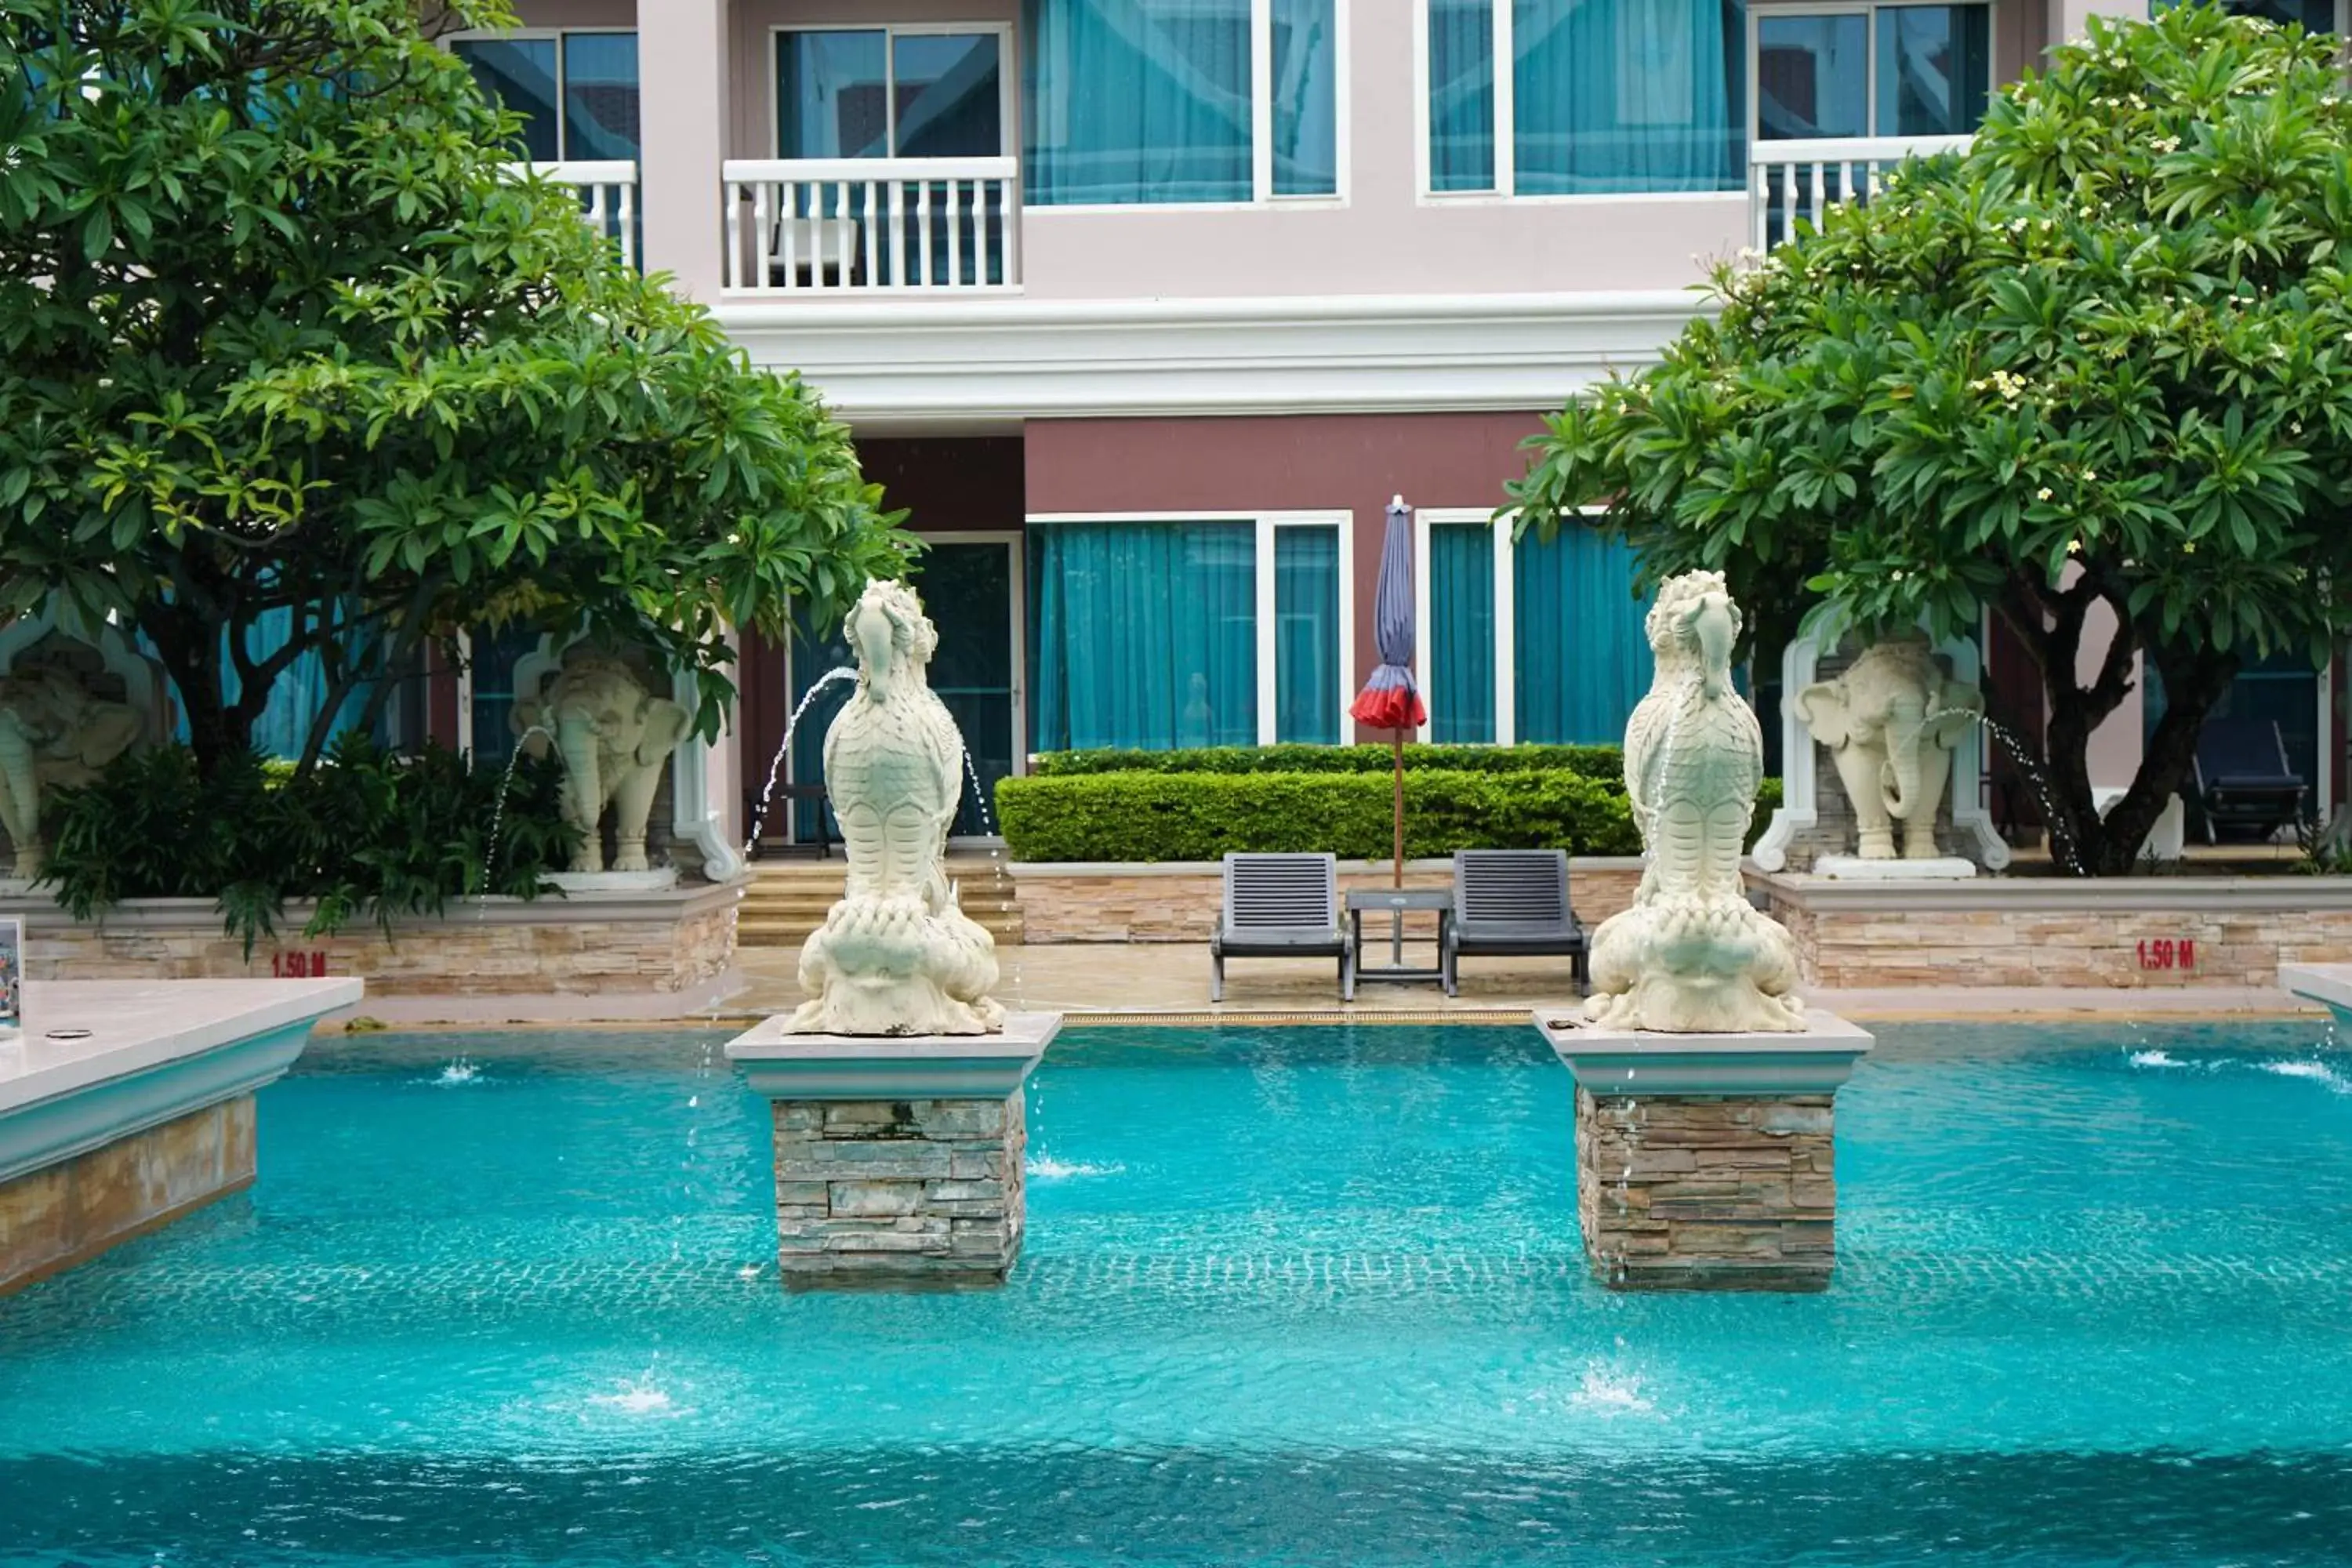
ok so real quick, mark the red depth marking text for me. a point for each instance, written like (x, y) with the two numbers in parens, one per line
(2168, 952)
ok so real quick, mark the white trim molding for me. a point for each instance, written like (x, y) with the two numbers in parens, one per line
(946, 362)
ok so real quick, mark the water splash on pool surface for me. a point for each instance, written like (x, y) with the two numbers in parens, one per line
(1045, 1168)
(458, 1072)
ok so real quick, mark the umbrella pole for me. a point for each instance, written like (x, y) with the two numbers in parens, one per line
(1396, 918)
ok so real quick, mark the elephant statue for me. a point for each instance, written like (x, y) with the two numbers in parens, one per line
(53, 731)
(615, 738)
(1891, 720)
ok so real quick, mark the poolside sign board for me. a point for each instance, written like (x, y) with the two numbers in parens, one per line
(12, 976)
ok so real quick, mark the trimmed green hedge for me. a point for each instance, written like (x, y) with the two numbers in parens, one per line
(1201, 815)
(1594, 761)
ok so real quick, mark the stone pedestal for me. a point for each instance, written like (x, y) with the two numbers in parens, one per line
(897, 1161)
(1708, 1162)
(1854, 869)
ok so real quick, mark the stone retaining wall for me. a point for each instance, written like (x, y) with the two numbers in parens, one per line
(589, 945)
(2154, 931)
(70, 1212)
(922, 1188)
(1707, 1194)
(1180, 901)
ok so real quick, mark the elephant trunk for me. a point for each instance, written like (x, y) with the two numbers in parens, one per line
(584, 797)
(1903, 772)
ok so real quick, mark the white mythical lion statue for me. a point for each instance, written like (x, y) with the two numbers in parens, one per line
(1692, 955)
(896, 956)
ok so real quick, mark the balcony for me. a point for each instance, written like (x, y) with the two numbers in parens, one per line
(1801, 179)
(858, 228)
(608, 197)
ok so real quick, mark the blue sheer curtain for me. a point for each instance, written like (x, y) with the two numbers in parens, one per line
(1628, 95)
(1137, 102)
(1460, 95)
(1462, 633)
(1584, 659)
(1307, 635)
(1144, 633)
(295, 698)
(1306, 98)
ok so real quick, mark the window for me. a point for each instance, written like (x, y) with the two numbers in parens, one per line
(1150, 101)
(2317, 16)
(576, 91)
(1872, 71)
(890, 92)
(1601, 96)
(1527, 641)
(1159, 633)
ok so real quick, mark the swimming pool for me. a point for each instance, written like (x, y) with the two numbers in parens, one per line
(1289, 1295)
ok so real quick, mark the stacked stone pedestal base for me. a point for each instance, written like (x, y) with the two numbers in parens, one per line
(1706, 1161)
(1707, 1192)
(909, 1191)
(898, 1158)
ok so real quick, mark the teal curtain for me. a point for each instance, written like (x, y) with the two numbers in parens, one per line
(1628, 95)
(1144, 634)
(1306, 98)
(1583, 659)
(295, 699)
(1462, 633)
(1136, 101)
(1307, 635)
(1460, 95)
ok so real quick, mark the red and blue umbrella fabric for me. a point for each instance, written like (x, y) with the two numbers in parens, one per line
(1389, 700)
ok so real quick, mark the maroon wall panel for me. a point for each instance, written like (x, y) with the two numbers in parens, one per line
(1295, 463)
(948, 484)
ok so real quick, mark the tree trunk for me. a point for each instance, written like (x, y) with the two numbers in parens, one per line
(2193, 683)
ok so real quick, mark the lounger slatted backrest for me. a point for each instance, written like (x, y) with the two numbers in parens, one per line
(1525, 888)
(2242, 748)
(1282, 893)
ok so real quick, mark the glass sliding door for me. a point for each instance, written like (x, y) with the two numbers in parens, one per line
(1462, 633)
(1872, 71)
(1582, 658)
(1306, 600)
(966, 592)
(889, 92)
(833, 93)
(523, 77)
(1145, 634)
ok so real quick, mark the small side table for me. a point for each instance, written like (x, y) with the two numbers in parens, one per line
(1397, 900)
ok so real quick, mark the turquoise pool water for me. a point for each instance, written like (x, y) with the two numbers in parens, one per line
(1290, 1296)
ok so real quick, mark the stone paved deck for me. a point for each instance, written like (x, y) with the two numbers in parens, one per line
(1165, 978)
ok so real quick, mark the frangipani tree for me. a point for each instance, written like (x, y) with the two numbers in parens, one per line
(278, 337)
(2103, 359)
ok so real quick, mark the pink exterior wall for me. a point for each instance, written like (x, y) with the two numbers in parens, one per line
(1299, 463)
(1381, 237)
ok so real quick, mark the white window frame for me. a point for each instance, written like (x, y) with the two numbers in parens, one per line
(1867, 9)
(1266, 523)
(1262, 192)
(563, 70)
(1008, 75)
(1504, 129)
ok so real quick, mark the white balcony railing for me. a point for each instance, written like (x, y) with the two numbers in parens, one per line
(608, 196)
(868, 226)
(1792, 180)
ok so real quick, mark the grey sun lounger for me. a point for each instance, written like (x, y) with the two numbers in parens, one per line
(1512, 903)
(1281, 906)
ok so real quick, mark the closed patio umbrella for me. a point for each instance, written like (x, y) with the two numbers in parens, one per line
(1388, 700)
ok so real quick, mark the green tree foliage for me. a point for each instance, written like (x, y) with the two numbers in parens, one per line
(2101, 361)
(374, 834)
(279, 333)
